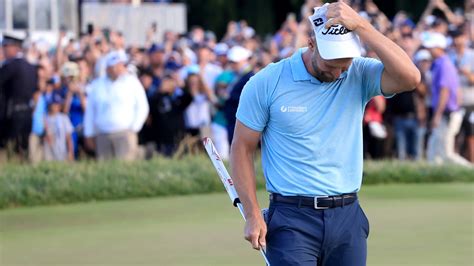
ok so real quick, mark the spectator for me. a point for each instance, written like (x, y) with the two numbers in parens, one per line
(446, 119)
(221, 50)
(116, 110)
(374, 129)
(75, 102)
(422, 101)
(58, 144)
(207, 70)
(239, 62)
(167, 115)
(219, 122)
(198, 113)
(156, 55)
(463, 58)
(18, 81)
(402, 107)
(35, 142)
(145, 137)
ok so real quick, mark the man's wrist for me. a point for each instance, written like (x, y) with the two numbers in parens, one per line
(363, 26)
(253, 213)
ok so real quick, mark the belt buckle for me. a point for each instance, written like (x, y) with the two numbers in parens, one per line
(316, 203)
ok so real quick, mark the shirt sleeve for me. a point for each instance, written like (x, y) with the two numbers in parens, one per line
(253, 110)
(141, 106)
(89, 127)
(370, 70)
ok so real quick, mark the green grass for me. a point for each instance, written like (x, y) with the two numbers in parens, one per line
(411, 224)
(53, 182)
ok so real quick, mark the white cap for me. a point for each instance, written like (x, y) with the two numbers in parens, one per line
(116, 57)
(238, 53)
(435, 40)
(70, 69)
(335, 42)
(421, 55)
(221, 49)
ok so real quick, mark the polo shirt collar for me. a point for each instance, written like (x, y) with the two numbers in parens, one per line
(298, 68)
(299, 71)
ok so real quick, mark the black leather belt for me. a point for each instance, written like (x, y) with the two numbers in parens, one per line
(320, 202)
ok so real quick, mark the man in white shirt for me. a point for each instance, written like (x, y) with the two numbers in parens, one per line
(116, 110)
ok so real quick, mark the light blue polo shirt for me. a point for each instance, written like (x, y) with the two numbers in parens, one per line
(311, 130)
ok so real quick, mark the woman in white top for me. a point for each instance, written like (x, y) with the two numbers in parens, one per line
(198, 113)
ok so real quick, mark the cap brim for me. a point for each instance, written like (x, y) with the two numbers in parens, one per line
(432, 44)
(337, 49)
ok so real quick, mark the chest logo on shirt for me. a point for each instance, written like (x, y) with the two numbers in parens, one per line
(293, 109)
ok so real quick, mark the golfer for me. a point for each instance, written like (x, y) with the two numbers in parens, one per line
(307, 110)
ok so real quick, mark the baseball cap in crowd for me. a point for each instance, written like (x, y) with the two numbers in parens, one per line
(434, 40)
(193, 69)
(421, 55)
(408, 22)
(221, 49)
(238, 54)
(116, 57)
(335, 42)
(70, 69)
(209, 36)
(156, 48)
(172, 66)
(12, 38)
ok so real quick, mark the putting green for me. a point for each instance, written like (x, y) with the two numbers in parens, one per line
(426, 224)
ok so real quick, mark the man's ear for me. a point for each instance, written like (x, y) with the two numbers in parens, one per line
(311, 45)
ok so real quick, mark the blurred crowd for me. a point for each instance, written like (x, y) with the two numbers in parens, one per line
(95, 97)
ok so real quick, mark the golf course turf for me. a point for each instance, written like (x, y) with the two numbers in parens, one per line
(411, 224)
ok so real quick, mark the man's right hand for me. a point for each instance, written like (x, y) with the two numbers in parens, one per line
(255, 231)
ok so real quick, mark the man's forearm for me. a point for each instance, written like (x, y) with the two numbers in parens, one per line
(443, 100)
(243, 174)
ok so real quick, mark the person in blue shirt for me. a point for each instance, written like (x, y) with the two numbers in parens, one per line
(239, 61)
(307, 111)
(75, 101)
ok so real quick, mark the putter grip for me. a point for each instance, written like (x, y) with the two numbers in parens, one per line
(236, 201)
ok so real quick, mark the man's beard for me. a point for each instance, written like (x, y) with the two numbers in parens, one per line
(320, 75)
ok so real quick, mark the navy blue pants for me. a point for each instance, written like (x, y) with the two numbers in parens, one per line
(306, 236)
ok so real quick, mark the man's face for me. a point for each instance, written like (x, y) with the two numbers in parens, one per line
(329, 70)
(425, 65)
(146, 81)
(237, 66)
(157, 58)
(204, 55)
(10, 51)
(460, 41)
(115, 71)
(436, 52)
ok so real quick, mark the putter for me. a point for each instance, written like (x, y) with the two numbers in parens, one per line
(226, 180)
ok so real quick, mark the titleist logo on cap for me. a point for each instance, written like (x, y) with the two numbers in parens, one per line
(336, 41)
(336, 30)
(333, 30)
